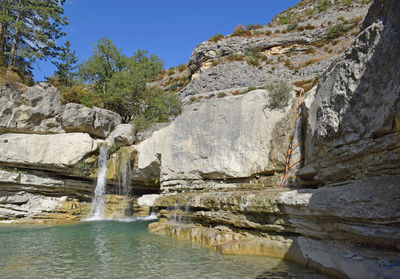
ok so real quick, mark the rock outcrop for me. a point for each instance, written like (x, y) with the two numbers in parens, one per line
(122, 135)
(94, 121)
(353, 123)
(296, 49)
(39, 110)
(220, 139)
(36, 110)
(45, 151)
(297, 225)
(345, 220)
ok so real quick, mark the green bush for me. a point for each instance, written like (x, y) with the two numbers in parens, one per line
(253, 61)
(292, 27)
(235, 57)
(255, 51)
(279, 93)
(181, 68)
(158, 107)
(323, 5)
(348, 3)
(240, 30)
(285, 19)
(337, 30)
(216, 37)
(253, 26)
(10, 79)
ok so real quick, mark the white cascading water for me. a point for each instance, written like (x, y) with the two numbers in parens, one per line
(97, 212)
(124, 179)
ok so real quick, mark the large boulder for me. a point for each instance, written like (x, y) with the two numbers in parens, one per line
(222, 138)
(36, 110)
(45, 151)
(123, 135)
(95, 121)
(356, 109)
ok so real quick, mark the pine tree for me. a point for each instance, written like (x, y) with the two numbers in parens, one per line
(29, 29)
(67, 65)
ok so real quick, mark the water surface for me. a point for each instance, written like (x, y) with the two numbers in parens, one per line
(111, 249)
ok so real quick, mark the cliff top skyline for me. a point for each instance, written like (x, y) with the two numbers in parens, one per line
(171, 30)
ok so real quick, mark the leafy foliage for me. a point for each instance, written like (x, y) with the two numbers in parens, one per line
(253, 26)
(337, 30)
(158, 107)
(279, 93)
(29, 30)
(285, 19)
(66, 65)
(106, 60)
(292, 26)
(323, 5)
(118, 80)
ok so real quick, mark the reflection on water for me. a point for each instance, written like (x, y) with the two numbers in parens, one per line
(110, 249)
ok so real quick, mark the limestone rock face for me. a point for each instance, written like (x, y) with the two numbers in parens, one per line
(344, 220)
(45, 151)
(95, 121)
(35, 111)
(270, 53)
(358, 96)
(145, 134)
(23, 204)
(222, 138)
(123, 135)
(357, 102)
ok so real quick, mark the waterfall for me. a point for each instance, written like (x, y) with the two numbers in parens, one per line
(176, 218)
(124, 178)
(97, 212)
(187, 219)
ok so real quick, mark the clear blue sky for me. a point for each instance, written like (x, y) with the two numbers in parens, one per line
(169, 29)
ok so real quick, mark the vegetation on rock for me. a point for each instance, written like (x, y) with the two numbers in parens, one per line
(279, 93)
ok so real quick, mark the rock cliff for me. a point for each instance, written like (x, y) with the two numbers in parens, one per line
(48, 153)
(343, 218)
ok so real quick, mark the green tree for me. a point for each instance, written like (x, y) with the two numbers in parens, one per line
(125, 94)
(119, 80)
(66, 65)
(126, 91)
(158, 107)
(29, 30)
(106, 60)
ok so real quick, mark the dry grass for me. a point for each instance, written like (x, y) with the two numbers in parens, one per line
(221, 95)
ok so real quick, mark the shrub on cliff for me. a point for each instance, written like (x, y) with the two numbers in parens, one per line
(159, 106)
(285, 19)
(240, 30)
(215, 38)
(252, 26)
(323, 5)
(279, 93)
(337, 30)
